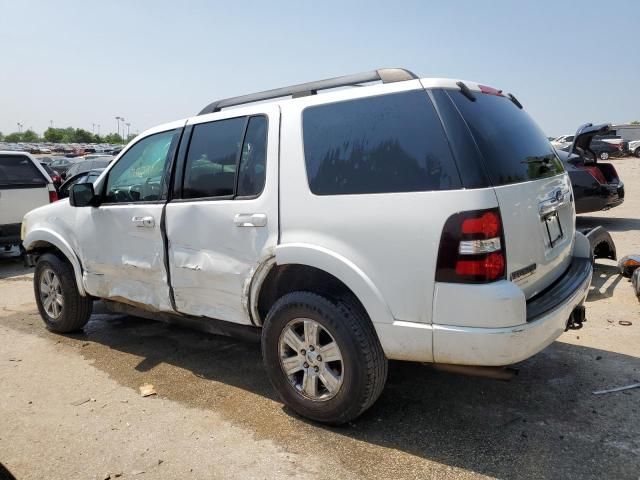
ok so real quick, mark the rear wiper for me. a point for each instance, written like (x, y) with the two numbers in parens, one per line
(515, 101)
(466, 91)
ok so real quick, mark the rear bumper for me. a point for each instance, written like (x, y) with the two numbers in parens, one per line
(545, 318)
(10, 234)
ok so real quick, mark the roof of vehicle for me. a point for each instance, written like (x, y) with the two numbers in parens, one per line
(299, 91)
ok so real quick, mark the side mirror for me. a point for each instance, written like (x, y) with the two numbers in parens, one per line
(82, 195)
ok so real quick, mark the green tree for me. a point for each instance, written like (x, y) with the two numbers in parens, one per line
(1, 137)
(30, 136)
(82, 136)
(635, 122)
(54, 135)
(113, 138)
(13, 137)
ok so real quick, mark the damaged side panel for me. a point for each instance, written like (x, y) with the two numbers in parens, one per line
(120, 258)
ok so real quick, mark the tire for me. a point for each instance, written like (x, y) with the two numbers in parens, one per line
(68, 311)
(603, 155)
(362, 369)
(637, 152)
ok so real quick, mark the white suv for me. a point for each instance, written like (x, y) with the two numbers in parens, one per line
(414, 219)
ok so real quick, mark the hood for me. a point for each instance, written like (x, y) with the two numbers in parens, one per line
(582, 141)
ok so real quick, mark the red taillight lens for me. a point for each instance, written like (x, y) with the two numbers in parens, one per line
(490, 90)
(488, 225)
(472, 248)
(53, 196)
(491, 267)
(596, 173)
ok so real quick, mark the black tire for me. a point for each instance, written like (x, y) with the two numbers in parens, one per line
(603, 155)
(364, 365)
(637, 152)
(76, 309)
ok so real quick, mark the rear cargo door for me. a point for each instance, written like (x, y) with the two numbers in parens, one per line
(23, 187)
(533, 191)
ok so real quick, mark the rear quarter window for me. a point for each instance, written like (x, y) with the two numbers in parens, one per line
(513, 147)
(18, 170)
(383, 144)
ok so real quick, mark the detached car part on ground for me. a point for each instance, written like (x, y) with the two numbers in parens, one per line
(415, 219)
(596, 185)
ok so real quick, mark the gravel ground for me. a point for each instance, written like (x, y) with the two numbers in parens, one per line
(70, 407)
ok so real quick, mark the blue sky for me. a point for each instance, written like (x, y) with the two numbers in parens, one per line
(82, 63)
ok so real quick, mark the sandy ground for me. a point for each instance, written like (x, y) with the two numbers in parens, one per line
(70, 407)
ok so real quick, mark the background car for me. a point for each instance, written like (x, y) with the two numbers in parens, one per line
(605, 149)
(91, 162)
(634, 148)
(563, 142)
(61, 165)
(83, 177)
(596, 185)
(55, 176)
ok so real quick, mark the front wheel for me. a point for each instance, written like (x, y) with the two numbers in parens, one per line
(323, 357)
(61, 306)
(604, 155)
(637, 152)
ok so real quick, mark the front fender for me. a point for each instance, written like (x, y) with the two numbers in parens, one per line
(37, 237)
(341, 268)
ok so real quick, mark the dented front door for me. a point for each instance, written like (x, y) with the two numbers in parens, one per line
(220, 230)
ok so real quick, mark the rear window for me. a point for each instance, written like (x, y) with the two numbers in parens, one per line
(19, 170)
(514, 148)
(388, 143)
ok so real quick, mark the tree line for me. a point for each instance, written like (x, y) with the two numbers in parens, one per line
(62, 135)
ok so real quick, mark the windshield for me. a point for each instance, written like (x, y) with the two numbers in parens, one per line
(513, 146)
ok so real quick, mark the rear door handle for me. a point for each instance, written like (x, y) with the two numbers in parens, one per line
(148, 222)
(250, 220)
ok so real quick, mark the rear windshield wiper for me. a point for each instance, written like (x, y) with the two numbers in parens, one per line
(466, 91)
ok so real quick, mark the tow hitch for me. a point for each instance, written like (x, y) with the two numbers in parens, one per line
(576, 319)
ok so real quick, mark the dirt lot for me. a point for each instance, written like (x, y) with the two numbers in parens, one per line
(70, 407)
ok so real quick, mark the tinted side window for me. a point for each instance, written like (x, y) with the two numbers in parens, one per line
(389, 143)
(139, 173)
(210, 170)
(252, 163)
(19, 170)
(513, 147)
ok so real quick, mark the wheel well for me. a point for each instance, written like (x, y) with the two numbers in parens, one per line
(283, 279)
(41, 247)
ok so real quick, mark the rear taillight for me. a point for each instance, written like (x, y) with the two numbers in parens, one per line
(472, 248)
(596, 174)
(53, 196)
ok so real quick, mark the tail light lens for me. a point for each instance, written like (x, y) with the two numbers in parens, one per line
(53, 196)
(472, 248)
(596, 173)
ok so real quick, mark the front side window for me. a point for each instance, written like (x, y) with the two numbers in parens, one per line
(139, 173)
(388, 143)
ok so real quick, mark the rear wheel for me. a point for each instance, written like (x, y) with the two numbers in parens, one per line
(60, 304)
(603, 155)
(323, 357)
(637, 152)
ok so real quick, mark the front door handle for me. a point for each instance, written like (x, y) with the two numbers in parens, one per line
(148, 222)
(250, 220)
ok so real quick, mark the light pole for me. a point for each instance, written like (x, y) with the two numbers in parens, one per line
(20, 125)
(118, 120)
(128, 125)
(93, 128)
(98, 129)
(50, 123)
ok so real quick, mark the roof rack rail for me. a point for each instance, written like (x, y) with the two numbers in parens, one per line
(386, 75)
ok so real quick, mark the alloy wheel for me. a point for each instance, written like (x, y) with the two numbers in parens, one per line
(311, 359)
(51, 293)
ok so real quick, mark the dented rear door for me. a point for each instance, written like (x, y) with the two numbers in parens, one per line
(223, 221)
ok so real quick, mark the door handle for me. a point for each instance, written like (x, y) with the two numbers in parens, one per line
(250, 220)
(148, 222)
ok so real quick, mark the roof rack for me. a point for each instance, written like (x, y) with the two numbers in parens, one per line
(386, 75)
